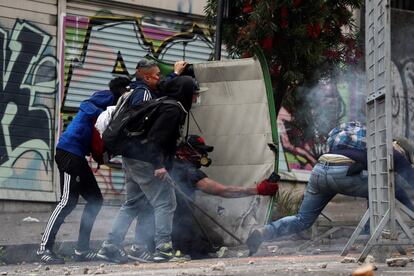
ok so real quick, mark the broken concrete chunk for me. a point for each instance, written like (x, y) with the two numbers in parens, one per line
(30, 219)
(398, 262)
(347, 260)
(220, 266)
(323, 265)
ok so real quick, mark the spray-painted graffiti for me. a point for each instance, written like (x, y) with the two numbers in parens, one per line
(403, 99)
(27, 88)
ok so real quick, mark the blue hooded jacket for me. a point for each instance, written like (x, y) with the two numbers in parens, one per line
(78, 135)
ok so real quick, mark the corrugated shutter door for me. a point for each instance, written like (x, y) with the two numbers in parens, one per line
(98, 48)
(28, 87)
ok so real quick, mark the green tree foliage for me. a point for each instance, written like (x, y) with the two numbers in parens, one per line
(303, 40)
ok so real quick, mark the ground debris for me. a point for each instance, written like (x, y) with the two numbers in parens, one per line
(347, 260)
(251, 262)
(398, 262)
(324, 265)
(369, 259)
(364, 270)
(272, 248)
(3, 273)
(30, 219)
(85, 270)
(220, 266)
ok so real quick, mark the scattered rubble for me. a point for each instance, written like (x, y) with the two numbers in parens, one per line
(220, 266)
(398, 262)
(3, 273)
(347, 260)
(324, 265)
(30, 219)
(369, 259)
(251, 262)
(272, 248)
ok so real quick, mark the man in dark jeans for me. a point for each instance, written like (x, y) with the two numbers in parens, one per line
(76, 177)
(341, 171)
(188, 235)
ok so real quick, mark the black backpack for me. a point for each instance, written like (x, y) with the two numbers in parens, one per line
(131, 122)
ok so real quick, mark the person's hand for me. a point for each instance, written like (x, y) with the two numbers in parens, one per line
(267, 187)
(179, 66)
(161, 173)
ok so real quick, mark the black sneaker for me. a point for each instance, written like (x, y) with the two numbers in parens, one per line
(166, 253)
(84, 256)
(49, 257)
(140, 254)
(112, 253)
(255, 239)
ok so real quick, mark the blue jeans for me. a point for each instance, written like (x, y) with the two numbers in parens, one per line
(149, 198)
(324, 183)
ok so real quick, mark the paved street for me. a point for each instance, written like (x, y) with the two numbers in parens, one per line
(325, 264)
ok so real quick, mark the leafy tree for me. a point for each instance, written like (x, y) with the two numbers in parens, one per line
(303, 40)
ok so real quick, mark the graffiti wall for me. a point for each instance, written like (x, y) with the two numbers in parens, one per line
(28, 78)
(402, 70)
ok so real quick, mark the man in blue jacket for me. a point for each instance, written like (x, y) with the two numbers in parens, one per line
(76, 177)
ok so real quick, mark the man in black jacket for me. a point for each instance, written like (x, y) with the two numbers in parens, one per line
(145, 166)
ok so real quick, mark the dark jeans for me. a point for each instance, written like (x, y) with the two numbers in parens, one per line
(76, 179)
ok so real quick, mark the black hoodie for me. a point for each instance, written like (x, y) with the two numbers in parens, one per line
(163, 135)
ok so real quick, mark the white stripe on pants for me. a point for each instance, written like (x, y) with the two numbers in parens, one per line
(56, 212)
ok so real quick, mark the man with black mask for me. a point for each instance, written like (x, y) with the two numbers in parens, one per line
(188, 234)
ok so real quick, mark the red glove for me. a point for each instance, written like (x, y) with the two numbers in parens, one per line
(267, 187)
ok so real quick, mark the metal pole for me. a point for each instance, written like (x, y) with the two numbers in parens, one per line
(219, 23)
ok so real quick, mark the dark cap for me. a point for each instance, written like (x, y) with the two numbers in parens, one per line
(198, 143)
(146, 63)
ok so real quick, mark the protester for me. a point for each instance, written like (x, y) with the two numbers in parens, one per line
(76, 177)
(341, 171)
(188, 234)
(145, 164)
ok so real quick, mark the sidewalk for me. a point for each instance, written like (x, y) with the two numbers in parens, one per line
(20, 239)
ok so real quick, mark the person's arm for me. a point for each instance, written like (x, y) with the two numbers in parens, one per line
(96, 103)
(212, 187)
(209, 186)
(140, 95)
